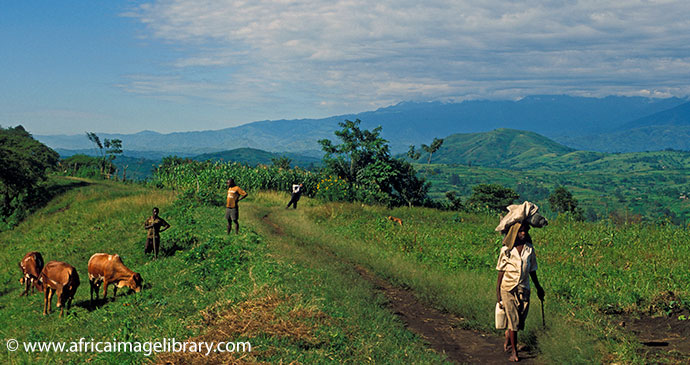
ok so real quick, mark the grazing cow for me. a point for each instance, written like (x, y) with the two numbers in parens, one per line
(109, 269)
(31, 266)
(61, 279)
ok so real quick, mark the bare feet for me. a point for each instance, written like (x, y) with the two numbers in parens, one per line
(506, 345)
(514, 358)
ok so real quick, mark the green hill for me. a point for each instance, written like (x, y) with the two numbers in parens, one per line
(253, 156)
(523, 150)
(508, 148)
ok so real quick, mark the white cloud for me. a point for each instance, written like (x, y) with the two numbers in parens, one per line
(358, 53)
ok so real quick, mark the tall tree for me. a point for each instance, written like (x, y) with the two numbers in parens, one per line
(113, 147)
(93, 137)
(363, 159)
(435, 145)
(108, 150)
(358, 148)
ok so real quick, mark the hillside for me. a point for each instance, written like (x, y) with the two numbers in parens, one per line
(253, 156)
(404, 124)
(502, 147)
(206, 286)
(522, 150)
(677, 116)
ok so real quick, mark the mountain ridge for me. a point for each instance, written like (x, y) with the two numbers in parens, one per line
(408, 123)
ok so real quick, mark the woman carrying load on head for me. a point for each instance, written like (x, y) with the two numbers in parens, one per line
(517, 263)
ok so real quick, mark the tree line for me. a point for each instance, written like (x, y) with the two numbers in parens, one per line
(24, 165)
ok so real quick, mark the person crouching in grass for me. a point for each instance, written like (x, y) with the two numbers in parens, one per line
(517, 263)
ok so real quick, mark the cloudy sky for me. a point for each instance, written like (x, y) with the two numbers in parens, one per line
(174, 65)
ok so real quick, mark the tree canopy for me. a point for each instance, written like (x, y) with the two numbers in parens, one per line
(23, 164)
(562, 201)
(492, 196)
(363, 159)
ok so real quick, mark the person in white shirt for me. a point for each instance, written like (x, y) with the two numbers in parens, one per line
(517, 263)
(296, 194)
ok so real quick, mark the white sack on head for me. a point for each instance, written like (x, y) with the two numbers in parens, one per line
(516, 213)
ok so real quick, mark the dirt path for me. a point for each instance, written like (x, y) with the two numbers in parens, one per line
(441, 330)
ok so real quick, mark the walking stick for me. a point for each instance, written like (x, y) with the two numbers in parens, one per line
(543, 321)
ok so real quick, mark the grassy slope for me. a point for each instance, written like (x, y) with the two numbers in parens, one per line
(588, 270)
(212, 280)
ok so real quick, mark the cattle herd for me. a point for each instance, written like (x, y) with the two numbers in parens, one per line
(61, 279)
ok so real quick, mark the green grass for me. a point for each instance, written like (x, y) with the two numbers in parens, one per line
(591, 271)
(295, 309)
(301, 292)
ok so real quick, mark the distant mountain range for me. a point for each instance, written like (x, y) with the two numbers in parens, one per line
(600, 124)
(668, 129)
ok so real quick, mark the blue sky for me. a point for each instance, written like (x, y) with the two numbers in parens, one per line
(124, 66)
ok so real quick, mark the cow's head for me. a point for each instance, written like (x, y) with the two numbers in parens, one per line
(38, 283)
(134, 282)
(21, 268)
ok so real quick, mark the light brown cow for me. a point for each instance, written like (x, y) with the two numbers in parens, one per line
(31, 266)
(109, 269)
(61, 279)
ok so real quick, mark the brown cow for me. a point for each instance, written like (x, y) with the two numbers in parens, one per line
(61, 279)
(31, 266)
(109, 269)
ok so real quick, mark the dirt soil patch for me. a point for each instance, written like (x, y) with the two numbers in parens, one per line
(274, 227)
(665, 337)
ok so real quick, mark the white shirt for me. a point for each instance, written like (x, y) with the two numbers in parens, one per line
(517, 266)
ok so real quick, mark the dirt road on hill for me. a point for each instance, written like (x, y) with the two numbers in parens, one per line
(442, 331)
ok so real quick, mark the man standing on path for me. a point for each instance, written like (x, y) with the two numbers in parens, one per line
(155, 226)
(235, 194)
(296, 194)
